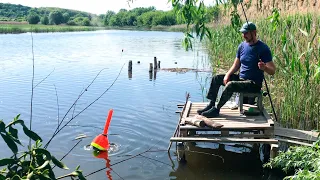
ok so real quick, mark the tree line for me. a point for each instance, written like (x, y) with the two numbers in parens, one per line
(147, 17)
(139, 17)
(44, 15)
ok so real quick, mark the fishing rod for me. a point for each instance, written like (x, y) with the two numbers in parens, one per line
(265, 82)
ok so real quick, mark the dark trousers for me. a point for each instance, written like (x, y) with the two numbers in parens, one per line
(234, 85)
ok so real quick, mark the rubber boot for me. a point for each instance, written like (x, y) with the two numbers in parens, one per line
(209, 106)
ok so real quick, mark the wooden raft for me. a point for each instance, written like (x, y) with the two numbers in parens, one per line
(237, 128)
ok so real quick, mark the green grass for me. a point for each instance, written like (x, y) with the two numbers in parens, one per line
(300, 162)
(295, 44)
(22, 28)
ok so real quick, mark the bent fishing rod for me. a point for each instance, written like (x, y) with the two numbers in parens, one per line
(265, 82)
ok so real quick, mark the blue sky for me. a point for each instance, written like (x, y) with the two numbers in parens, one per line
(95, 6)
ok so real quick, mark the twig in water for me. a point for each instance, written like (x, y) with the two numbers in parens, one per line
(177, 128)
(85, 126)
(116, 174)
(160, 150)
(86, 106)
(154, 160)
(123, 160)
(57, 103)
(207, 154)
(31, 103)
(44, 78)
(68, 152)
(72, 106)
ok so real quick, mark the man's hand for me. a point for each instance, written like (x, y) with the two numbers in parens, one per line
(226, 79)
(262, 65)
(268, 67)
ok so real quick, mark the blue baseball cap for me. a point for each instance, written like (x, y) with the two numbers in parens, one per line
(246, 27)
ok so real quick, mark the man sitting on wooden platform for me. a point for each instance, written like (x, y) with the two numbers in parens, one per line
(253, 58)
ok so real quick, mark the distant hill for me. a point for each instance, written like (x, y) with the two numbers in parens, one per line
(14, 12)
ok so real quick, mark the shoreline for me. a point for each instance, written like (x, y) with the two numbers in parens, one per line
(18, 28)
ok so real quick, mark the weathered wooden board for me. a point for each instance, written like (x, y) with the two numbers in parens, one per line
(223, 140)
(296, 134)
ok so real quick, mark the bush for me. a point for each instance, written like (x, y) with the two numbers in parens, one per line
(55, 17)
(33, 18)
(44, 20)
(71, 23)
(86, 22)
(35, 163)
(303, 161)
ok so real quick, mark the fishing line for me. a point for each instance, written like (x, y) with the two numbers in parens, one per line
(265, 82)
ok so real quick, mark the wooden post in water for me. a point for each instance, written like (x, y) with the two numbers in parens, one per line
(274, 150)
(155, 74)
(150, 72)
(130, 65)
(159, 64)
(155, 63)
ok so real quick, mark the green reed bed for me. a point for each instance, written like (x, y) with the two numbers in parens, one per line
(295, 44)
(22, 28)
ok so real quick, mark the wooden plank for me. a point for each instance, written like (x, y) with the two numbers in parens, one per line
(243, 119)
(268, 117)
(236, 128)
(203, 105)
(296, 134)
(194, 111)
(185, 113)
(241, 124)
(234, 135)
(223, 140)
(293, 142)
(227, 116)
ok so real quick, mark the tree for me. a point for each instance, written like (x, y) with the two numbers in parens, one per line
(114, 21)
(86, 21)
(55, 17)
(66, 17)
(33, 18)
(107, 17)
(44, 20)
(131, 20)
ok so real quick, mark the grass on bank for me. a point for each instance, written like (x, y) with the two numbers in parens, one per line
(22, 28)
(295, 44)
(15, 28)
(299, 163)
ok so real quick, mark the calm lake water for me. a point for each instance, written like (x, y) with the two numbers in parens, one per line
(144, 109)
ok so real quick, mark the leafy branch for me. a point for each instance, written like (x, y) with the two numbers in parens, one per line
(35, 163)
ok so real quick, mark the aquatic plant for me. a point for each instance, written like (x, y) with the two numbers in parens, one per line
(34, 163)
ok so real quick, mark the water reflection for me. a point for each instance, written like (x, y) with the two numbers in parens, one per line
(129, 75)
(155, 74)
(218, 163)
(104, 155)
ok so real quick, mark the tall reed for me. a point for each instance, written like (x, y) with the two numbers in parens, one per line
(295, 45)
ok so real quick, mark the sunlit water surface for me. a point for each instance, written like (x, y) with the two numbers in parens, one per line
(144, 107)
